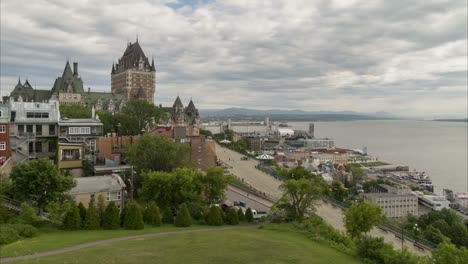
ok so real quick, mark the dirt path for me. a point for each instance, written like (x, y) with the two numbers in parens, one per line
(117, 239)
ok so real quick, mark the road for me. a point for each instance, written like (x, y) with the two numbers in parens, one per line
(253, 201)
(245, 169)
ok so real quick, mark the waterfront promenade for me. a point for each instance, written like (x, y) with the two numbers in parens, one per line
(245, 169)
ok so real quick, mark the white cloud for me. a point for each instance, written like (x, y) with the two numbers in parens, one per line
(316, 55)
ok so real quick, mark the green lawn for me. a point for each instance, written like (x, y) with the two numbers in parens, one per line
(243, 246)
(56, 239)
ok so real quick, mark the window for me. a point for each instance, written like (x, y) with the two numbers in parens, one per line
(38, 146)
(92, 144)
(31, 147)
(52, 147)
(2, 145)
(79, 130)
(2, 129)
(20, 129)
(92, 197)
(71, 154)
(1, 113)
(37, 115)
(113, 196)
(39, 130)
(29, 128)
(51, 130)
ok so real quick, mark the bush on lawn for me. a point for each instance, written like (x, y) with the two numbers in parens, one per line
(152, 216)
(122, 214)
(72, 219)
(249, 215)
(133, 217)
(168, 217)
(183, 218)
(231, 216)
(25, 230)
(8, 234)
(214, 217)
(241, 215)
(82, 212)
(92, 218)
(28, 215)
(111, 219)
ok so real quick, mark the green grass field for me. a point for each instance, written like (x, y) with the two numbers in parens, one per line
(56, 239)
(224, 246)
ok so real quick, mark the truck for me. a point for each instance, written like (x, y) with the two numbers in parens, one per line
(258, 214)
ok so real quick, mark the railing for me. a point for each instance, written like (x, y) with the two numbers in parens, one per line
(15, 206)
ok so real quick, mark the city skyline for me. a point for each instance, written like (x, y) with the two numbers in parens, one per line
(322, 56)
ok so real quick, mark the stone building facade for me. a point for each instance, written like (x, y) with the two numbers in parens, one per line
(179, 117)
(133, 76)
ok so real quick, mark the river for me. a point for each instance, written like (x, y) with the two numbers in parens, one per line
(438, 148)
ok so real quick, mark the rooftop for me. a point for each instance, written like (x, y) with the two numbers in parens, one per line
(97, 184)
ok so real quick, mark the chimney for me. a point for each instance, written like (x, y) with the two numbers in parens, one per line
(75, 69)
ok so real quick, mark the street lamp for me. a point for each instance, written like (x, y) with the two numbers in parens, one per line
(416, 231)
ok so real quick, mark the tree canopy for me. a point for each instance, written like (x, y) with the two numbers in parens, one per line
(135, 116)
(156, 153)
(170, 189)
(361, 218)
(39, 181)
(215, 185)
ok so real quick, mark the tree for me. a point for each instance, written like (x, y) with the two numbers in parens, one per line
(448, 253)
(39, 181)
(240, 215)
(249, 215)
(140, 115)
(300, 196)
(358, 173)
(168, 216)
(111, 219)
(157, 153)
(101, 206)
(338, 192)
(57, 211)
(133, 217)
(214, 217)
(72, 220)
(82, 212)
(373, 248)
(183, 218)
(92, 218)
(361, 218)
(152, 215)
(170, 189)
(205, 132)
(74, 111)
(231, 216)
(28, 215)
(214, 185)
(434, 235)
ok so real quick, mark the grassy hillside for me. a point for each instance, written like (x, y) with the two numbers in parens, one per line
(223, 246)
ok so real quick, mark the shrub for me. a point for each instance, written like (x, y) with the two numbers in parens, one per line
(168, 217)
(249, 215)
(82, 210)
(57, 211)
(183, 218)
(25, 230)
(5, 215)
(72, 220)
(111, 219)
(152, 216)
(231, 216)
(28, 215)
(214, 217)
(8, 234)
(92, 219)
(240, 215)
(373, 249)
(133, 218)
(122, 214)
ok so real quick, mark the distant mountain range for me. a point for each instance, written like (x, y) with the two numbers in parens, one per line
(299, 115)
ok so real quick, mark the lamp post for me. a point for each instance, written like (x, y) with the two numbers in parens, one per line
(416, 231)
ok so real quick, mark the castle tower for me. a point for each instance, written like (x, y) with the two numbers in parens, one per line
(133, 75)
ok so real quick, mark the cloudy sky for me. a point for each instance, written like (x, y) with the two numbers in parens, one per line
(404, 57)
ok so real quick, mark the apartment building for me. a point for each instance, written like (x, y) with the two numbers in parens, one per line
(396, 201)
